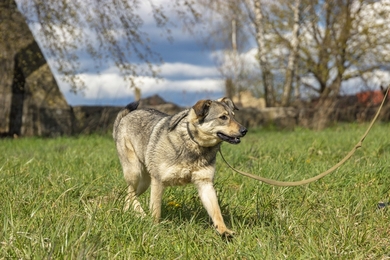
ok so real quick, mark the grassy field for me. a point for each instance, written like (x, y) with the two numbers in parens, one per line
(62, 199)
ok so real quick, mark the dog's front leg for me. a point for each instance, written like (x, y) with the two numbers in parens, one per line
(209, 199)
(156, 194)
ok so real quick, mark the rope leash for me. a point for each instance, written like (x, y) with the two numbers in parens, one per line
(319, 176)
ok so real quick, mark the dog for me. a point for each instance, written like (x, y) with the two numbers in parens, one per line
(159, 150)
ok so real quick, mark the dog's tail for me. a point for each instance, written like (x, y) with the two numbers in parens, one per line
(130, 107)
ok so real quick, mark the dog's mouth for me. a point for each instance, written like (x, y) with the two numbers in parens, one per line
(229, 139)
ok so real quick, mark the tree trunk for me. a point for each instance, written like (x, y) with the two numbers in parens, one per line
(264, 65)
(291, 66)
(326, 105)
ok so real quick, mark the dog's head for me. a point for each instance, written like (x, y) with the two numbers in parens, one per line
(213, 122)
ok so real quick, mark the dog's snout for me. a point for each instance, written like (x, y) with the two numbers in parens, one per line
(243, 131)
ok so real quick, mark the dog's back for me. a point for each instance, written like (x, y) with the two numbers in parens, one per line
(134, 127)
(143, 119)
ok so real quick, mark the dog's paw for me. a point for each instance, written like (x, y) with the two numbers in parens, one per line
(225, 233)
(228, 233)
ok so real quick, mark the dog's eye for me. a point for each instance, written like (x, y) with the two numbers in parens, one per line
(223, 117)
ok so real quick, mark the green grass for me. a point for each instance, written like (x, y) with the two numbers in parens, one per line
(62, 199)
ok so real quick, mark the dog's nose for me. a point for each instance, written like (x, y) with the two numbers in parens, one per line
(243, 131)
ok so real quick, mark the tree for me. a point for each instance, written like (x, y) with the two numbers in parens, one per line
(292, 58)
(343, 40)
(255, 27)
(262, 52)
(340, 41)
(312, 46)
(105, 30)
(223, 27)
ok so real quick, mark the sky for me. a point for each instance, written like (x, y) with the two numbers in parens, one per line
(187, 75)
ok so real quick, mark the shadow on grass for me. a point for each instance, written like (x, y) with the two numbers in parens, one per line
(182, 206)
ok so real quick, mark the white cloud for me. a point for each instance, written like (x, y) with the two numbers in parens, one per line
(231, 63)
(111, 86)
(185, 69)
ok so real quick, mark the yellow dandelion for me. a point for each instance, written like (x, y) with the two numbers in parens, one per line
(171, 203)
(174, 204)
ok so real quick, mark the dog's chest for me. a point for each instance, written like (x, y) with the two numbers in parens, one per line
(178, 161)
(185, 172)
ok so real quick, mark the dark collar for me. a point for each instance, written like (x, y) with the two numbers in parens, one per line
(190, 134)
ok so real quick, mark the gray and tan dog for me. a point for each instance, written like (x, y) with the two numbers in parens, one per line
(158, 150)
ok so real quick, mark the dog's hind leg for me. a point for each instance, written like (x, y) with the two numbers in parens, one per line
(131, 200)
(133, 180)
(144, 182)
(135, 176)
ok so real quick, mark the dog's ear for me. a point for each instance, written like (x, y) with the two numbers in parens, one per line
(202, 107)
(228, 102)
(176, 120)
